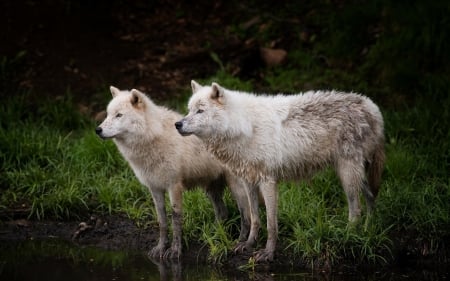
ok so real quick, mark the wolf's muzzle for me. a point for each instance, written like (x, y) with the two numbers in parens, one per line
(99, 132)
(179, 126)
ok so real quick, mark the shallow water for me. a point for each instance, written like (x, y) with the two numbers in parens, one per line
(58, 260)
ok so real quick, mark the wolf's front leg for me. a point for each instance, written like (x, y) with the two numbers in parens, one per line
(255, 223)
(269, 192)
(176, 200)
(159, 250)
(175, 250)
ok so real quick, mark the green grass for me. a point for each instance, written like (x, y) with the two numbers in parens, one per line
(53, 162)
(60, 169)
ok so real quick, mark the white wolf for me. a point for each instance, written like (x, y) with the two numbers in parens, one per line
(265, 139)
(164, 161)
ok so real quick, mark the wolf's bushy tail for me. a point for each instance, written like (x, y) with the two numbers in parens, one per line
(375, 169)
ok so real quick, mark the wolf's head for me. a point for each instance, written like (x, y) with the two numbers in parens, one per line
(126, 113)
(206, 111)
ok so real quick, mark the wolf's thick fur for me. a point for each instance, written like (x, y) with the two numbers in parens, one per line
(265, 139)
(164, 161)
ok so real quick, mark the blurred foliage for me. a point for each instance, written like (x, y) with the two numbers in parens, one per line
(396, 49)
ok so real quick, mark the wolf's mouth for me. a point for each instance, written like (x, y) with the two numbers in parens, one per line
(184, 134)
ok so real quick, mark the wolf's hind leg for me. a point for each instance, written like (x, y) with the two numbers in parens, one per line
(215, 191)
(352, 176)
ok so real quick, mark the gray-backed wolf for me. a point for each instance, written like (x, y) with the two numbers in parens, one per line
(266, 139)
(164, 161)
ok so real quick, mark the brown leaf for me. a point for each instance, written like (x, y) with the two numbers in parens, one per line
(273, 57)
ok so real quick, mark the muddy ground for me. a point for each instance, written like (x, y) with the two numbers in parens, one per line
(120, 233)
(116, 232)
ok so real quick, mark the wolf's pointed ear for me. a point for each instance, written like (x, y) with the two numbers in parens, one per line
(114, 91)
(137, 98)
(217, 93)
(195, 86)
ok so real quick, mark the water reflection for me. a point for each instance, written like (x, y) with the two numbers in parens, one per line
(57, 260)
(168, 271)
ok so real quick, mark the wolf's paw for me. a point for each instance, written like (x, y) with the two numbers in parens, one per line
(242, 247)
(157, 252)
(264, 255)
(173, 253)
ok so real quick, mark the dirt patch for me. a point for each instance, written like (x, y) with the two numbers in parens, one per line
(117, 233)
(113, 233)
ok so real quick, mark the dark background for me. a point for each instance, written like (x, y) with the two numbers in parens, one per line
(396, 50)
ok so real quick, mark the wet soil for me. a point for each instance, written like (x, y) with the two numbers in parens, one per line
(116, 232)
(119, 233)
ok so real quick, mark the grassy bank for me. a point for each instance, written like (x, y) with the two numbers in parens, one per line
(54, 165)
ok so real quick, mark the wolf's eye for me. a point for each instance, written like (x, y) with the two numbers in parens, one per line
(118, 115)
(200, 111)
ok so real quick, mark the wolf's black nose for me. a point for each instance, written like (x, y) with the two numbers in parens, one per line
(98, 130)
(178, 125)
